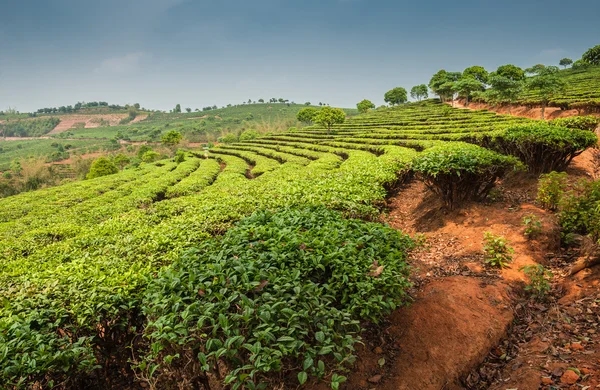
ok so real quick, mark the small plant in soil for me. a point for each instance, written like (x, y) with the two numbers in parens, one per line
(539, 280)
(551, 189)
(533, 226)
(497, 252)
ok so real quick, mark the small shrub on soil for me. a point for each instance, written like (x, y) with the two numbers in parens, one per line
(578, 122)
(461, 172)
(539, 280)
(532, 224)
(497, 252)
(543, 147)
(102, 167)
(551, 188)
(282, 293)
(580, 212)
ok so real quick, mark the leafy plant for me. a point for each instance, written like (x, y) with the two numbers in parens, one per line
(577, 122)
(102, 167)
(532, 224)
(540, 280)
(497, 252)
(459, 172)
(580, 212)
(551, 187)
(282, 291)
(396, 96)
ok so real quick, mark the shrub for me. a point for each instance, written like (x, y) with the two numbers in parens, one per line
(249, 135)
(460, 172)
(543, 147)
(228, 138)
(580, 212)
(578, 122)
(102, 167)
(532, 224)
(539, 280)
(497, 252)
(171, 138)
(142, 150)
(150, 156)
(179, 156)
(551, 188)
(282, 292)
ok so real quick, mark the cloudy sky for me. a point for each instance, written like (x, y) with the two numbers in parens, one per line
(198, 53)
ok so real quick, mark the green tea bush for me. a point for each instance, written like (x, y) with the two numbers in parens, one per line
(578, 122)
(543, 147)
(102, 167)
(497, 252)
(532, 224)
(228, 138)
(580, 212)
(539, 280)
(458, 172)
(280, 293)
(551, 188)
(249, 135)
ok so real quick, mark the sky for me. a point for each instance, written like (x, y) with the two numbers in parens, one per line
(197, 53)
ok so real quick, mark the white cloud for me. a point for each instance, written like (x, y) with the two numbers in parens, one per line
(125, 64)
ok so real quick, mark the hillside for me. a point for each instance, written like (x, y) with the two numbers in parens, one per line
(91, 266)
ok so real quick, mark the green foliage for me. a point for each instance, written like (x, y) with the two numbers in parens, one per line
(461, 172)
(578, 122)
(478, 73)
(171, 138)
(142, 150)
(419, 92)
(328, 117)
(306, 115)
(310, 269)
(565, 62)
(543, 147)
(532, 224)
(511, 72)
(442, 84)
(497, 252)
(28, 127)
(229, 138)
(580, 212)
(396, 96)
(540, 280)
(150, 156)
(121, 160)
(551, 188)
(546, 85)
(364, 106)
(179, 156)
(102, 167)
(466, 86)
(592, 56)
(177, 108)
(249, 135)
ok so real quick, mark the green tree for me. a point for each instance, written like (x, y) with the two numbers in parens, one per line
(546, 85)
(136, 106)
(419, 92)
(188, 110)
(512, 72)
(535, 69)
(261, 100)
(478, 73)
(364, 106)
(467, 85)
(249, 135)
(150, 156)
(102, 167)
(328, 116)
(177, 108)
(565, 62)
(592, 56)
(306, 115)
(507, 84)
(171, 138)
(442, 84)
(143, 149)
(307, 104)
(121, 160)
(395, 96)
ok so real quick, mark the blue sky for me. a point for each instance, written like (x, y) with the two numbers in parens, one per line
(198, 53)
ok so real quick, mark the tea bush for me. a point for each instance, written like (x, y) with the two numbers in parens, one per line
(580, 213)
(496, 250)
(577, 122)
(551, 188)
(280, 292)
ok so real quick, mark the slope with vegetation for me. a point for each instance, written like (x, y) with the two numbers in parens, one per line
(129, 267)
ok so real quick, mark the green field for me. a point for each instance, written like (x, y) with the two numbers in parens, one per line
(78, 260)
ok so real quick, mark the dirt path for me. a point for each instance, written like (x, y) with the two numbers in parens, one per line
(70, 122)
(522, 111)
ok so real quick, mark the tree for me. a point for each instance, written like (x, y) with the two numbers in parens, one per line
(592, 56)
(565, 62)
(546, 85)
(328, 116)
(442, 84)
(188, 110)
(535, 69)
(364, 106)
(512, 72)
(261, 100)
(507, 84)
(102, 167)
(171, 138)
(478, 73)
(137, 106)
(419, 92)
(121, 160)
(307, 114)
(307, 104)
(177, 108)
(395, 96)
(466, 85)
